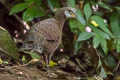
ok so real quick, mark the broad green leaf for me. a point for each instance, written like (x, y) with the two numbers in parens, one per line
(36, 2)
(32, 13)
(98, 13)
(80, 17)
(71, 3)
(29, 0)
(118, 9)
(54, 4)
(103, 44)
(111, 61)
(118, 45)
(81, 27)
(84, 36)
(50, 4)
(100, 32)
(87, 11)
(18, 8)
(77, 46)
(75, 26)
(101, 24)
(103, 5)
(115, 24)
(114, 43)
(96, 41)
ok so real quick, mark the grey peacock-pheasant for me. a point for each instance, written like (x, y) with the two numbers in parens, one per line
(45, 36)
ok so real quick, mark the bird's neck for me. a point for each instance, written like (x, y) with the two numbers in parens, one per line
(60, 20)
(61, 24)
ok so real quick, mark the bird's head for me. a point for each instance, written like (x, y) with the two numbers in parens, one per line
(70, 12)
(65, 13)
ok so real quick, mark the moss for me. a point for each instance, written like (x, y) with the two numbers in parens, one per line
(7, 45)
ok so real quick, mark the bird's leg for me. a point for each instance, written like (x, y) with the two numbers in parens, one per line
(47, 66)
(46, 61)
(45, 56)
(50, 55)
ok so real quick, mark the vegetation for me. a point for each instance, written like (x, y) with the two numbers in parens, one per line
(97, 23)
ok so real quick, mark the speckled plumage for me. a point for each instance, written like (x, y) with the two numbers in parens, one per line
(46, 33)
(45, 36)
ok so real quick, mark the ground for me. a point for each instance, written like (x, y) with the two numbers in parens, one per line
(32, 73)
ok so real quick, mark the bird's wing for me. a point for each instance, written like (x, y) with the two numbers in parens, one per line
(48, 28)
(41, 34)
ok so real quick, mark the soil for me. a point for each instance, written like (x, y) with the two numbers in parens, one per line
(32, 73)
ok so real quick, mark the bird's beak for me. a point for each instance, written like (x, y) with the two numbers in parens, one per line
(73, 15)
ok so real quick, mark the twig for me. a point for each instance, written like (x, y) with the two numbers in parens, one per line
(117, 66)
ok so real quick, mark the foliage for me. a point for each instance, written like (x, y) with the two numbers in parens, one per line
(31, 9)
(102, 18)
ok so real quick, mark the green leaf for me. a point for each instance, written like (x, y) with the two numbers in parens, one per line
(84, 36)
(34, 55)
(115, 24)
(71, 3)
(101, 4)
(77, 46)
(98, 13)
(75, 26)
(50, 4)
(111, 61)
(103, 44)
(118, 45)
(32, 13)
(100, 32)
(36, 2)
(52, 63)
(87, 11)
(96, 41)
(23, 59)
(103, 73)
(29, 0)
(18, 8)
(101, 24)
(54, 4)
(80, 17)
(117, 8)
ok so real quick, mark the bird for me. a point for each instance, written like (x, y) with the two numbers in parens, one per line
(45, 36)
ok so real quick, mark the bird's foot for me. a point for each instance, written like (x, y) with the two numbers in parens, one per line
(45, 68)
(48, 73)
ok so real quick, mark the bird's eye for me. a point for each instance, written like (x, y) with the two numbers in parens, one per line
(70, 12)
